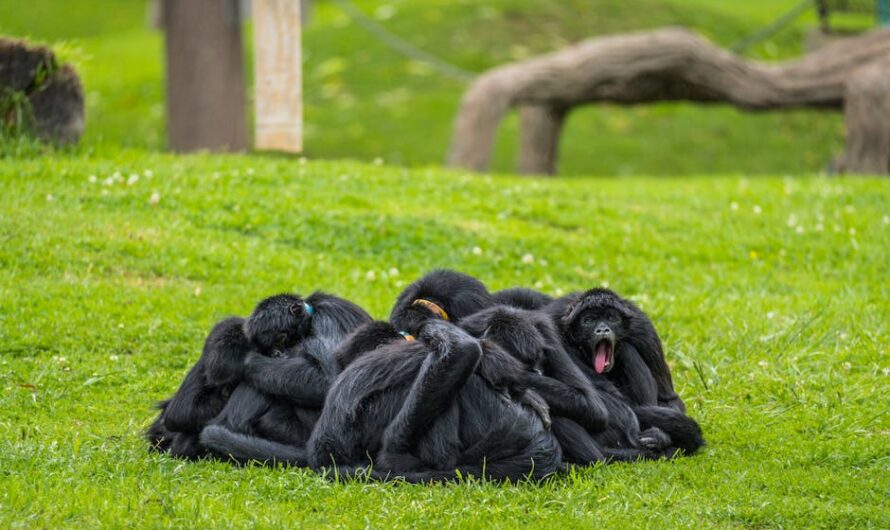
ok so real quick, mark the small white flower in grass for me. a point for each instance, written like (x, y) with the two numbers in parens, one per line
(848, 366)
(477, 251)
(771, 315)
(198, 291)
(50, 198)
(62, 359)
(148, 173)
(819, 227)
(113, 358)
(763, 364)
(393, 272)
(108, 182)
(604, 285)
(132, 179)
(121, 325)
(378, 161)
(852, 231)
(528, 259)
(757, 209)
(92, 179)
(886, 371)
(886, 219)
(371, 275)
(539, 284)
(155, 198)
(733, 206)
(558, 291)
(792, 221)
(799, 230)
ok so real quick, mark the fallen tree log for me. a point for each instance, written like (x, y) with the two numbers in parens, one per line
(674, 65)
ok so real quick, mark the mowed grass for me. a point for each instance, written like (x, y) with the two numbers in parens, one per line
(364, 101)
(770, 294)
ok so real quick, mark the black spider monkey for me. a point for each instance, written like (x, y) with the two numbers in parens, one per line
(238, 349)
(432, 402)
(621, 438)
(615, 344)
(270, 416)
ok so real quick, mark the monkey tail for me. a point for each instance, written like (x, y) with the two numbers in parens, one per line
(244, 448)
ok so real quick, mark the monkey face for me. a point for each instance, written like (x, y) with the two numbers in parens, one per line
(598, 331)
(278, 323)
(596, 324)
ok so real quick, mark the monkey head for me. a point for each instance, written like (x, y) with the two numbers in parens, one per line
(442, 294)
(596, 323)
(515, 330)
(278, 323)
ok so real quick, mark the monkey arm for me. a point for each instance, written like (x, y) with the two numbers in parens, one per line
(453, 359)
(568, 392)
(583, 406)
(243, 408)
(637, 381)
(298, 379)
(650, 350)
(193, 404)
(224, 353)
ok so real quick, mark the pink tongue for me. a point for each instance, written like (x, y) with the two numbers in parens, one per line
(599, 358)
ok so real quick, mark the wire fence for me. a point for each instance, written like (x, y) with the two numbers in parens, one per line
(401, 45)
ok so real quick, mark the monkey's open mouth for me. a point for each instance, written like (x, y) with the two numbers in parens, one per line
(602, 356)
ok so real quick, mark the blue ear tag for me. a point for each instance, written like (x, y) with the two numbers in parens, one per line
(309, 309)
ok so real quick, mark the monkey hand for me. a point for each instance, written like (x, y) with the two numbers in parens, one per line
(533, 400)
(439, 333)
(654, 439)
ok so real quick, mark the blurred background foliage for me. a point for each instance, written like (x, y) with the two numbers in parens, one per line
(365, 101)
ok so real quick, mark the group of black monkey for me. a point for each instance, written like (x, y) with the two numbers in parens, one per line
(460, 382)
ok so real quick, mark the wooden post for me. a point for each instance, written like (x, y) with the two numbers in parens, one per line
(206, 102)
(278, 75)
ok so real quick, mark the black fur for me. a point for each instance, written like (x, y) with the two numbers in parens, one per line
(522, 298)
(203, 392)
(644, 409)
(423, 411)
(635, 333)
(456, 293)
(443, 405)
(270, 416)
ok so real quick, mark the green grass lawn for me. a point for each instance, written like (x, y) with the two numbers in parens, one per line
(768, 284)
(364, 101)
(770, 294)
